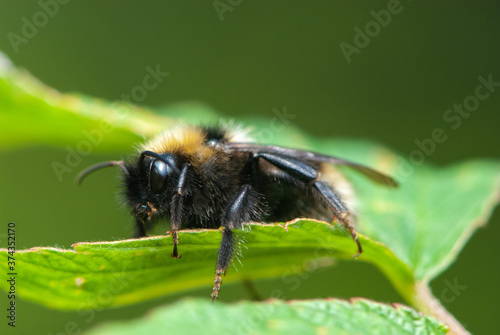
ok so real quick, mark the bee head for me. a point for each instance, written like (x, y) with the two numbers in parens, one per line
(147, 183)
(150, 182)
(161, 169)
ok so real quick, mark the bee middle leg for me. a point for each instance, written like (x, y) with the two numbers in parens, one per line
(224, 258)
(244, 207)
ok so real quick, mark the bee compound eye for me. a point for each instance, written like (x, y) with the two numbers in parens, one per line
(158, 176)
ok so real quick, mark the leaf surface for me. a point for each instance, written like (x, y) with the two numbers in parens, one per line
(105, 274)
(329, 316)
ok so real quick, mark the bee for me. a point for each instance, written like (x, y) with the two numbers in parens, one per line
(217, 177)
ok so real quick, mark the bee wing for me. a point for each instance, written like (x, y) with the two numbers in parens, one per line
(312, 157)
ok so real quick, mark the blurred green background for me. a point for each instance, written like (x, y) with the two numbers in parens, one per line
(263, 55)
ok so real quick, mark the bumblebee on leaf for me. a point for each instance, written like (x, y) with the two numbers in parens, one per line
(212, 177)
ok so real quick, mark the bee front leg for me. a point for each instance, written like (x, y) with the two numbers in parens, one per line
(140, 228)
(245, 206)
(177, 205)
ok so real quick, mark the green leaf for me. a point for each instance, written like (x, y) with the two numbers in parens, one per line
(32, 112)
(428, 220)
(113, 273)
(331, 316)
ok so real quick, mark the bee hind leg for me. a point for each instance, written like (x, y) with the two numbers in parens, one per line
(303, 171)
(340, 211)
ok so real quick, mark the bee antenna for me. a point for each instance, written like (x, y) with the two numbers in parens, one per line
(160, 157)
(84, 173)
